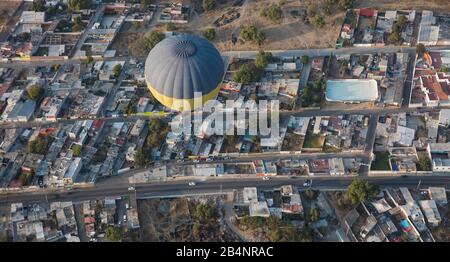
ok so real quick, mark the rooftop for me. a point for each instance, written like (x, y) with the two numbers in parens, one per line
(351, 90)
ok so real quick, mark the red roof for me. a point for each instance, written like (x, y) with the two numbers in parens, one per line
(367, 11)
(431, 83)
(97, 124)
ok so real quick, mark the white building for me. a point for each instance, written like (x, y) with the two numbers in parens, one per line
(428, 32)
(32, 17)
(439, 195)
(352, 90)
(250, 194)
(431, 212)
(439, 154)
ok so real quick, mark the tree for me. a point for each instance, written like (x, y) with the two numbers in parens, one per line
(117, 69)
(24, 178)
(361, 191)
(319, 21)
(251, 33)
(39, 5)
(327, 9)
(141, 158)
(77, 5)
(145, 4)
(113, 234)
(34, 92)
(311, 10)
(209, 34)
(305, 59)
(260, 37)
(394, 37)
(424, 163)
(157, 132)
(208, 5)
(143, 45)
(247, 73)
(170, 27)
(76, 150)
(23, 37)
(310, 194)
(273, 12)
(346, 4)
(77, 24)
(397, 29)
(89, 59)
(203, 212)
(248, 33)
(262, 59)
(420, 49)
(196, 229)
(314, 214)
(38, 146)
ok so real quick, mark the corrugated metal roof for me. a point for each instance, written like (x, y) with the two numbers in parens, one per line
(180, 65)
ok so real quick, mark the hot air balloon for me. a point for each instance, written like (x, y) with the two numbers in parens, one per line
(179, 66)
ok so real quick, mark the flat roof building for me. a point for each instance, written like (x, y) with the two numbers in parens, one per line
(439, 195)
(352, 90)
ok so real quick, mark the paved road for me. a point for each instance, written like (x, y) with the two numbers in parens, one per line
(320, 52)
(407, 85)
(240, 54)
(178, 188)
(330, 51)
(98, 12)
(297, 113)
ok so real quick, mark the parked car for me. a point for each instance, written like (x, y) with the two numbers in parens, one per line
(307, 183)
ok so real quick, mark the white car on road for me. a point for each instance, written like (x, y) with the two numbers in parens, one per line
(265, 178)
(131, 188)
(307, 183)
(191, 183)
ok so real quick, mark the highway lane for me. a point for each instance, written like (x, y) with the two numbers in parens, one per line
(215, 185)
(239, 54)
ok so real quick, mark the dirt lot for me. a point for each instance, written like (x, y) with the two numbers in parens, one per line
(290, 33)
(7, 22)
(175, 220)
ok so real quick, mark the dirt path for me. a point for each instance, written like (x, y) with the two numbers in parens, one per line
(229, 216)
